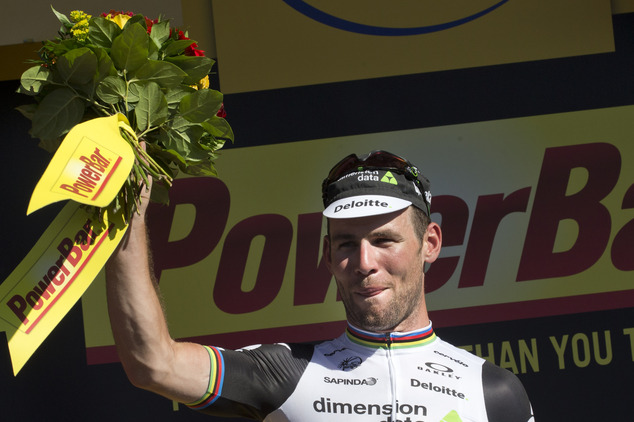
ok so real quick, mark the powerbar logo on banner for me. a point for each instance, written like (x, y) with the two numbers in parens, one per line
(87, 173)
(89, 167)
(40, 289)
(53, 276)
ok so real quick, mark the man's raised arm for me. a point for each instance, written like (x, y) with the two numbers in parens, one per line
(151, 358)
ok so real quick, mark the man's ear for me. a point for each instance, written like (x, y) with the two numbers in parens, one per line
(326, 252)
(432, 242)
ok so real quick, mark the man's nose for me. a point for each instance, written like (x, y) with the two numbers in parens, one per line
(367, 263)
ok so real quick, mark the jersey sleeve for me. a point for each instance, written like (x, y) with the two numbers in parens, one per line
(252, 382)
(504, 396)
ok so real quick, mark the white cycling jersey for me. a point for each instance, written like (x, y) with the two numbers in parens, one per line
(363, 376)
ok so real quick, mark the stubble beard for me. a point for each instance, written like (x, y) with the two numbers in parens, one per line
(404, 305)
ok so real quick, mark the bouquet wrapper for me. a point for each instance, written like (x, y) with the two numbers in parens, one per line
(89, 167)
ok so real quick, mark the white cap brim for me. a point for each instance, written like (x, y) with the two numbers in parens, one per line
(364, 206)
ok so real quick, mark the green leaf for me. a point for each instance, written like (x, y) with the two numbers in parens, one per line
(111, 90)
(134, 92)
(62, 18)
(156, 151)
(78, 66)
(151, 110)
(219, 129)
(175, 95)
(58, 112)
(171, 156)
(181, 137)
(105, 67)
(153, 51)
(177, 47)
(50, 145)
(102, 32)
(130, 49)
(34, 78)
(187, 139)
(160, 194)
(200, 105)
(180, 124)
(201, 169)
(181, 147)
(197, 67)
(140, 19)
(160, 33)
(27, 110)
(212, 144)
(56, 49)
(163, 73)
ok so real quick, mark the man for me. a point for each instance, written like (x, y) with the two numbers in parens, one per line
(389, 365)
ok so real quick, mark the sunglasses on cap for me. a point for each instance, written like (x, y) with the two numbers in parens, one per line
(380, 160)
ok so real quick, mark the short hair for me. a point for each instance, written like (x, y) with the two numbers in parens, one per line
(420, 221)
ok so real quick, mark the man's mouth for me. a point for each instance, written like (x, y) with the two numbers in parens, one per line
(371, 291)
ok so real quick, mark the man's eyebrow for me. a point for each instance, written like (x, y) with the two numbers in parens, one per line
(338, 237)
(382, 233)
(342, 236)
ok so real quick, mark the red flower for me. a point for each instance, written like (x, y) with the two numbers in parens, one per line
(114, 13)
(222, 113)
(149, 22)
(193, 50)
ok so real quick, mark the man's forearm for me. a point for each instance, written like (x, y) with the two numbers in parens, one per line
(136, 314)
(151, 358)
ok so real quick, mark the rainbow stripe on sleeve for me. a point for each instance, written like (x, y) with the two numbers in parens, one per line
(216, 379)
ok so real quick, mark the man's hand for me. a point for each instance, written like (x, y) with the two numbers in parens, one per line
(146, 190)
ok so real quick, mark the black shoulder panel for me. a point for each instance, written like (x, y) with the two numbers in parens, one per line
(257, 381)
(504, 395)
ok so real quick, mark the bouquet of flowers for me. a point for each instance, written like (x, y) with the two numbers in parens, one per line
(155, 75)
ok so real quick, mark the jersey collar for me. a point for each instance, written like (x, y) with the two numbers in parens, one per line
(394, 340)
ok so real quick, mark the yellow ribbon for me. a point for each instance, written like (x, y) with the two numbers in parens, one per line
(89, 167)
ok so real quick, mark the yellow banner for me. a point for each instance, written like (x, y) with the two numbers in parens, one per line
(533, 208)
(53, 276)
(275, 44)
(89, 167)
(622, 6)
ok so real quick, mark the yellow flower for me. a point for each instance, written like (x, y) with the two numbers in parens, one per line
(79, 15)
(120, 19)
(203, 83)
(80, 33)
(80, 28)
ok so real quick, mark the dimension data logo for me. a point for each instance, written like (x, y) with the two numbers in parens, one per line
(329, 19)
(389, 178)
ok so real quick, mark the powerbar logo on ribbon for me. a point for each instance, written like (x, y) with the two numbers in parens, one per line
(88, 171)
(38, 291)
(90, 166)
(53, 276)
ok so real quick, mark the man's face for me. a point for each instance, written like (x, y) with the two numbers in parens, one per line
(378, 264)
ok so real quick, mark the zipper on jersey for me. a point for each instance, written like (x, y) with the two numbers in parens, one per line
(390, 363)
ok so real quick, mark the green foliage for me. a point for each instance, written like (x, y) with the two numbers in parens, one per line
(129, 49)
(102, 32)
(147, 71)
